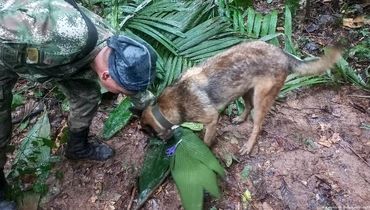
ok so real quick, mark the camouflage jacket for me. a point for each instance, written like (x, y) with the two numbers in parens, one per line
(55, 27)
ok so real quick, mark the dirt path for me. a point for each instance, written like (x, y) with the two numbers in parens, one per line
(312, 153)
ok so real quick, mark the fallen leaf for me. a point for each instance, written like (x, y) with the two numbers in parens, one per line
(324, 126)
(246, 196)
(228, 159)
(335, 138)
(246, 171)
(324, 141)
(357, 22)
(327, 142)
(93, 198)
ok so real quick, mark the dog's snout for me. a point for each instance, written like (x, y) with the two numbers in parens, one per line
(148, 130)
(166, 135)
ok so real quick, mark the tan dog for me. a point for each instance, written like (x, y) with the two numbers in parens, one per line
(254, 70)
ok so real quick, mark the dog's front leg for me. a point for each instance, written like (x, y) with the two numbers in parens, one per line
(210, 132)
(248, 101)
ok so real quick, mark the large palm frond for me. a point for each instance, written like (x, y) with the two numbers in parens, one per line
(183, 33)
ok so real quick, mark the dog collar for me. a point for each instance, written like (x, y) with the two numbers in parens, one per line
(160, 118)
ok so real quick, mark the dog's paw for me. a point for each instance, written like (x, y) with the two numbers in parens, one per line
(237, 120)
(246, 149)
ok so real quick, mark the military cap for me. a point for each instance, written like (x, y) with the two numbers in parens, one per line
(131, 63)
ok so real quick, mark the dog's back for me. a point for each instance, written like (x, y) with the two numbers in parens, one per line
(230, 74)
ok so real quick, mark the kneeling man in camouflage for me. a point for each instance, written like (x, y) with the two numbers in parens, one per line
(59, 41)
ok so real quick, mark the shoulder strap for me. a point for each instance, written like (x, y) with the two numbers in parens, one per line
(92, 36)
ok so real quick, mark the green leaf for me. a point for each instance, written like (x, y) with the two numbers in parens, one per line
(265, 25)
(201, 33)
(164, 6)
(241, 23)
(272, 26)
(227, 10)
(243, 3)
(350, 75)
(192, 126)
(65, 105)
(178, 69)
(292, 4)
(240, 105)
(250, 20)
(23, 125)
(155, 34)
(33, 143)
(171, 66)
(117, 119)
(160, 26)
(270, 37)
(33, 158)
(193, 168)
(246, 171)
(200, 151)
(154, 170)
(161, 21)
(294, 82)
(257, 25)
(210, 46)
(17, 100)
(288, 31)
(190, 190)
(170, 63)
(236, 24)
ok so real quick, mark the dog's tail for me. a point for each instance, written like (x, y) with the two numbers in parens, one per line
(315, 66)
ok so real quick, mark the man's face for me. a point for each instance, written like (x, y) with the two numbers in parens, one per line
(100, 65)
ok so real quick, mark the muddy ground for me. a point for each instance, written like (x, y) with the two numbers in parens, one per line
(313, 151)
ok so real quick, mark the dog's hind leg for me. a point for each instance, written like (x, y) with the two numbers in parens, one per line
(263, 98)
(248, 101)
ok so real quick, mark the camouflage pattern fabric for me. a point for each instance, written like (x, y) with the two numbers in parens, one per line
(59, 32)
(53, 26)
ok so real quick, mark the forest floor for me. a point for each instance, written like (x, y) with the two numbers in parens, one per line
(313, 151)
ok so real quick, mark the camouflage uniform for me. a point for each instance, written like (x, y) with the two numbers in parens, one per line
(59, 32)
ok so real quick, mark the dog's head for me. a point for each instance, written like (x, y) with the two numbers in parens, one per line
(154, 123)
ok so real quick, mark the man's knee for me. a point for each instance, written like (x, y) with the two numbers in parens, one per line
(83, 106)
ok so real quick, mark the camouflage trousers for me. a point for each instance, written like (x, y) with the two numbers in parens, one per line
(83, 95)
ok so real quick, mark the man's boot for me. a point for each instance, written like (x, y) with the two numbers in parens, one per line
(79, 148)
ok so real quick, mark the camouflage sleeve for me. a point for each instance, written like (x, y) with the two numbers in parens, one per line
(55, 27)
(53, 24)
(104, 29)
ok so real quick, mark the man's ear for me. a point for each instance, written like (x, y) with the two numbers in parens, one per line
(105, 75)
